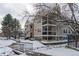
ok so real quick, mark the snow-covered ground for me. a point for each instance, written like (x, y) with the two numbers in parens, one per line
(4, 49)
(62, 51)
(57, 46)
(55, 50)
(36, 44)
(4, 38)
(5, 43)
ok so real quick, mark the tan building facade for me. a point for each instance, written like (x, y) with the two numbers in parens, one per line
(48, 29)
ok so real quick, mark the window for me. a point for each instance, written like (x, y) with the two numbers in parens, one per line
(44, 28)
(52, 33)
(69, 31)
(65, 38)
(65, 31)
(30, 26)
(44, 33)
(44, 22)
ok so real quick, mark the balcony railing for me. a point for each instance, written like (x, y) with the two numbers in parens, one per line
(51, 22)
(44, 33)
(51, 33)
(44, 22)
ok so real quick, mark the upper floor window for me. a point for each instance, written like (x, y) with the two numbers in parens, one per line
(44, 28)
(69, 31)
(65, 31)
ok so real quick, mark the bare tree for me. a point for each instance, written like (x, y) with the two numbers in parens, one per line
(73, 6)
(43, 9)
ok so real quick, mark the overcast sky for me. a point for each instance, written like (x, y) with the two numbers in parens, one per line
(16, 10)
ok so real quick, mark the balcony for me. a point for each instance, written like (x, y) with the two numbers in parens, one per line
(44, 28)
(51, 28)
(51, 22)
(44, 33)
(44, 22)
(51, 33)
(48, 33)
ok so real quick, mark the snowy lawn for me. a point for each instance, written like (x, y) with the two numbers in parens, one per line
(4, 49)
(36, 44)
(3, 38)
(62, 51)
(55, 50)
(4, 43)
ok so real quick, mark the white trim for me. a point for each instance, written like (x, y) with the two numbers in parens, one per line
(49, 25)
(50, 35)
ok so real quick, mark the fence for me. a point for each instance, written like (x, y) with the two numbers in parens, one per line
(23, 46)
(73, 40)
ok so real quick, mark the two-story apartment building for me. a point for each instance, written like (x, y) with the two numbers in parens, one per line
(44, 28)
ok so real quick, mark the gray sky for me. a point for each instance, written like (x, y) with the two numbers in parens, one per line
(16, 10)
